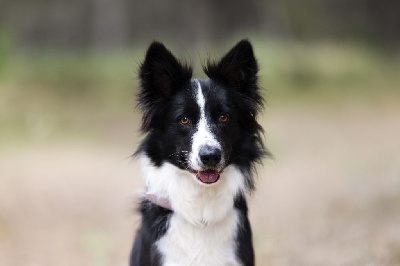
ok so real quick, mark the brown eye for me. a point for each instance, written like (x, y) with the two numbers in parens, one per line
(184, 120)
(223, 118)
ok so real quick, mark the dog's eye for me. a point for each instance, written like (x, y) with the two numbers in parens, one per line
(223, 118)
(184, 120)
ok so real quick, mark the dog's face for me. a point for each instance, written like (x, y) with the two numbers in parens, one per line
(201, 126)
(202, 129)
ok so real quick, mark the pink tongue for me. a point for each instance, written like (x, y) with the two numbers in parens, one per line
(208, 176)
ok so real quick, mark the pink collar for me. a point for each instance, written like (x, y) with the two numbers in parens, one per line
(159, 201)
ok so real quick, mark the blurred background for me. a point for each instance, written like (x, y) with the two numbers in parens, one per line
(330, 70)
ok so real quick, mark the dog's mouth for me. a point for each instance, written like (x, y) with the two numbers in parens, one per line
(208, 176)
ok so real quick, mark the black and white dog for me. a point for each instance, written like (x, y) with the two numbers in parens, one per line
(202, 141)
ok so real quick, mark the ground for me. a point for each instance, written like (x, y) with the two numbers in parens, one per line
(330, 195)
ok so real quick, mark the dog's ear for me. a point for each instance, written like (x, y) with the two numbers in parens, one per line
(161, 72)
(160, 75)
(237, 69)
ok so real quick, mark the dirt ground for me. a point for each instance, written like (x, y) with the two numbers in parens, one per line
(330, 196)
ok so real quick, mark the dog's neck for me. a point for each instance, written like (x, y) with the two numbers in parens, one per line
(176, 189)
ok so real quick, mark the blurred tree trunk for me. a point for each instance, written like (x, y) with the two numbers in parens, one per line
(118, 23)
(385, 19)
(109, 23)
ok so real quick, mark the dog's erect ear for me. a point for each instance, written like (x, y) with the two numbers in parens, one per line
(160, 75)
(237, 69)
(161, 72)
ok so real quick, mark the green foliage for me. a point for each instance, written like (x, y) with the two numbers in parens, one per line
(6, 46)
(71, 74)
(49, 94)
(286, 67)
(327, 70)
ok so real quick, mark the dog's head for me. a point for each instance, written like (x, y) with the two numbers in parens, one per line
(201, 126)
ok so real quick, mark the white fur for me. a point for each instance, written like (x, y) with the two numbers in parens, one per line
(204, 223)
(210, 244)
(203, 135)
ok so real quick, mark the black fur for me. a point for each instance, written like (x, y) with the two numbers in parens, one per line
(161, 74)
(244, 249)
(154, 221)
(166, 94)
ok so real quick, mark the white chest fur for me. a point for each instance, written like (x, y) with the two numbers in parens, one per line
(209, 244)
(203, 227)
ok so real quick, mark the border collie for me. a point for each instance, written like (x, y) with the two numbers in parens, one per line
(201, 143)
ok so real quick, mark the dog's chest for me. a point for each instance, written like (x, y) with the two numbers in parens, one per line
(188, 244)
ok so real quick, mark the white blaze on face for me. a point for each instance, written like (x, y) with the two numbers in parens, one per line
(203, 136)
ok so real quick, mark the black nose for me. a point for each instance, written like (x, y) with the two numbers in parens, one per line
(210, 156)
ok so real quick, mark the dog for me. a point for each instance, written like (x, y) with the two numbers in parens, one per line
(201, 144)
